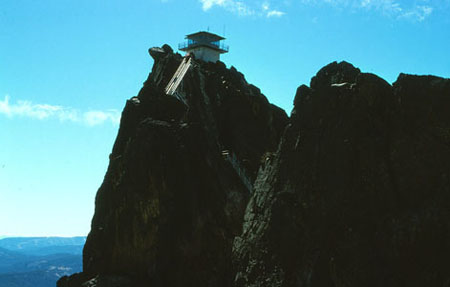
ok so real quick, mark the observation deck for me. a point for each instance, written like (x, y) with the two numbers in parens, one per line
(192, 44)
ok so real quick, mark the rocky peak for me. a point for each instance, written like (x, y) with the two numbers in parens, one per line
(335, 73)
(180, 175)
(214, 186)
(358, 192)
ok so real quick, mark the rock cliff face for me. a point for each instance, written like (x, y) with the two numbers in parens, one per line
(358, 193)
(179, 179)
(217, 187)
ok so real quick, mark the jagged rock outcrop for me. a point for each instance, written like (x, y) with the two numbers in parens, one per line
(358, 193)
(179, 179)
(217, 187)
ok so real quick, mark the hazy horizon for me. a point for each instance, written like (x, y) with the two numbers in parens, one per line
(48, 236)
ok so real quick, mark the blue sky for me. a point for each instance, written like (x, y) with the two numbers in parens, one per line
(67, 68)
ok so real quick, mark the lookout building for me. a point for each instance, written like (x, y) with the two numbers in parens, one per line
(204, 45)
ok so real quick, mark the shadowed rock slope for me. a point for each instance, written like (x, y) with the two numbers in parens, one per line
(217, 187)
(358, 193)
(179, 179)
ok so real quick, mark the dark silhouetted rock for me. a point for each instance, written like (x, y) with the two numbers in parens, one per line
(358, 193)
(214, 186)
(180, 175)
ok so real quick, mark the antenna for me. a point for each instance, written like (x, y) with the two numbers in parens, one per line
(208, 28)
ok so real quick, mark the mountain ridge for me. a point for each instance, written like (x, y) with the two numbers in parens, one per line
(40, 264)
(349, 172)
(43, 245)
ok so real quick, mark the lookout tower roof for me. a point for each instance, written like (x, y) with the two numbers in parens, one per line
(208, 35)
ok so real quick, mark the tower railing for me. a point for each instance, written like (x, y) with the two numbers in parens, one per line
(193, 44)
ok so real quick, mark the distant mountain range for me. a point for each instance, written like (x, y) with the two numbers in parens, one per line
(38, 261)
(44, 245)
